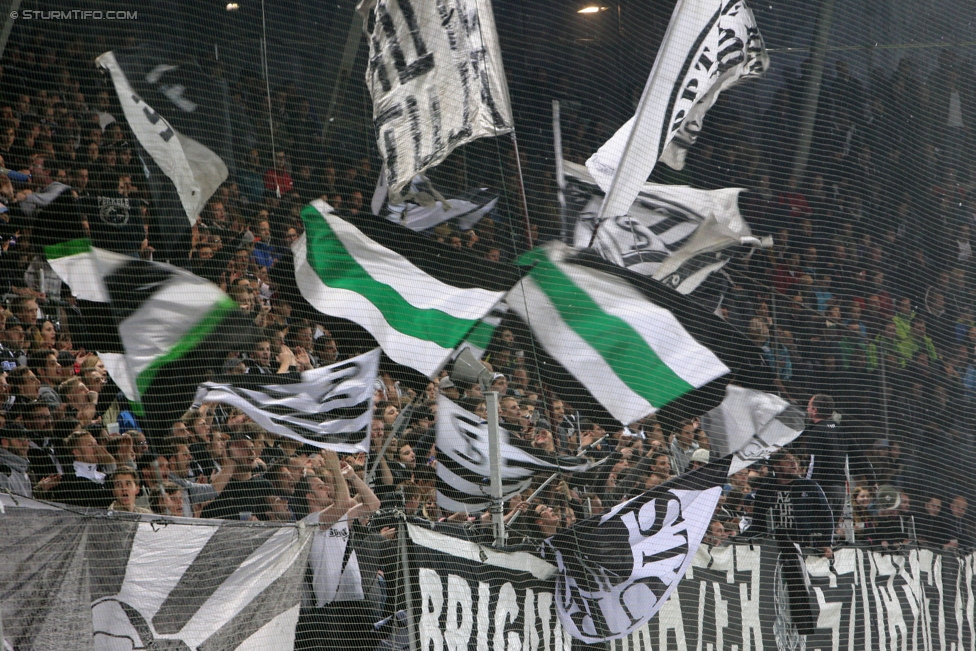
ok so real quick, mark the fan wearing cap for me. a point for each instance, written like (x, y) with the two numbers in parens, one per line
(448, 389)
(699, 458)
(245, 494)
(499, 383)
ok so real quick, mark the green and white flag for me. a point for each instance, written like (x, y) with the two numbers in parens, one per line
(418, 310)
(633, 355)
(144, 315)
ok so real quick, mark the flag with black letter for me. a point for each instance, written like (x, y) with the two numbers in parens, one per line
(462, 460)
(177, 113)
(622, 340)
(673, 233)
(329, 407)
(436, 77)
(616, 570)
(709, 46)
(418, 298)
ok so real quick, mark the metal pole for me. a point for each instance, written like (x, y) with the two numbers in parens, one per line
(557, 133)
(811, 90)
(534, 495)
(549, 481)
(525, 199)
(353, 37)
(407, 587)
(495, 462)
(775, 337)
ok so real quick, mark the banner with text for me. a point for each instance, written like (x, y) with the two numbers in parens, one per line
(468, 596)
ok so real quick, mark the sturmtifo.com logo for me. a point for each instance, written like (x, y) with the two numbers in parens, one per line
(74, 14)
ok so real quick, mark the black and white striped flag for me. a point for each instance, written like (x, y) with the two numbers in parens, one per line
(329, 407)
(463, 469)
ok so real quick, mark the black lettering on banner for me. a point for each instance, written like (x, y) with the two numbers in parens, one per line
(424, 62)
(390, 114)
(754, 48)
(377, 66)
(447, 16)
(472, 25)
(154, 118)
(704, 61)
(413, 112)
(435, 120)
(690, 91)
(465, 130)
(389, 140)
(679, 117)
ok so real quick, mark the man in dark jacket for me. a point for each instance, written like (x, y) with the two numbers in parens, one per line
(84, 484)
(830, 449)
(792, 508)
(794, 511)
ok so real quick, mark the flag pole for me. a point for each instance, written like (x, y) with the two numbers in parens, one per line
(495, 465)
(557, 133)
(525, 201)
(535, 494)
(402, 535)
(811, 88)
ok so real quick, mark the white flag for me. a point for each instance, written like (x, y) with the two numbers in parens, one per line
(710, 45)
(751, 425)
(428, 208)
(673, 233)
(436, 77)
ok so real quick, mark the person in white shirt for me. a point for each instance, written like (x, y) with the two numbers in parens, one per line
(334, 610)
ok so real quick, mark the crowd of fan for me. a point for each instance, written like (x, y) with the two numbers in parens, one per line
(867, 297)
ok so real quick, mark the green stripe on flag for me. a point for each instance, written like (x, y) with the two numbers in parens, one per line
(190, 340)
(621, 347)
(337, 269)
(64, 249)
(480, 335)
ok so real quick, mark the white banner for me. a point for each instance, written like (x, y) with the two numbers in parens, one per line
(436, 77)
